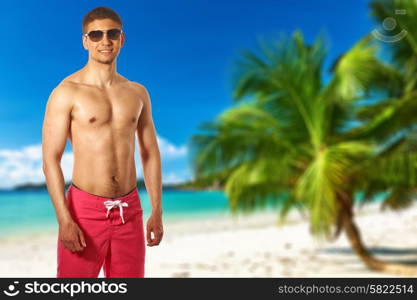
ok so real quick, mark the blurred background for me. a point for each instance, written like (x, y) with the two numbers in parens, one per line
(286, 130)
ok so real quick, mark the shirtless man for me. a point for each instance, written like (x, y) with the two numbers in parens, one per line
(100, 216)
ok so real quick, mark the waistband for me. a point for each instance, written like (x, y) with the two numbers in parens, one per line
(87, 200)
(132, 194)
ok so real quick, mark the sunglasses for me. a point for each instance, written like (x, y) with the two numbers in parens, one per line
(97, 35)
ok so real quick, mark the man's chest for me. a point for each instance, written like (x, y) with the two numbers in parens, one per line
(117, 108)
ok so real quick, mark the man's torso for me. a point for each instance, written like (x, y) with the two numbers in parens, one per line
(102, 134)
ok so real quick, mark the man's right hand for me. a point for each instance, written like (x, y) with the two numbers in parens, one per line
(71, 236)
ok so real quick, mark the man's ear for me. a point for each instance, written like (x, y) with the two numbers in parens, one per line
(84, 40)
(122, 39)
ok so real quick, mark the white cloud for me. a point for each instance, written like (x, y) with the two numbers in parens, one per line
(170, 151)
(175, 177)
(20, 166)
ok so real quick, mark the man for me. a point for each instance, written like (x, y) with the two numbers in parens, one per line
(100, 216)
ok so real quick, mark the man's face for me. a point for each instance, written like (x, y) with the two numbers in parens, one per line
(106, 50)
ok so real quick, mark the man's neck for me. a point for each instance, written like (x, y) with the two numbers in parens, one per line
(99, 74)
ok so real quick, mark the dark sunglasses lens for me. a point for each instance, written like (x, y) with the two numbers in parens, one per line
(95, 35)
(113, 34)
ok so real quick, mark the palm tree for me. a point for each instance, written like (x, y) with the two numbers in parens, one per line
(392, 120)
(292, 133)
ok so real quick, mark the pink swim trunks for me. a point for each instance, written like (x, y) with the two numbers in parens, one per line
(114, 234)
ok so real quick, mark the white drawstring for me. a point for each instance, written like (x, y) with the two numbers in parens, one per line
(110, 204)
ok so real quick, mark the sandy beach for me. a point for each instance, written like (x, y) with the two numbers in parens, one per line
(244, 246)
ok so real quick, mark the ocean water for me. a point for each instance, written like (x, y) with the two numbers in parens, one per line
(33, 209)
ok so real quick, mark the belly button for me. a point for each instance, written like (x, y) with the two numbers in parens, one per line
(92, 119)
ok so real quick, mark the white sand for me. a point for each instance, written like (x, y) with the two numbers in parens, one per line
(246, 246)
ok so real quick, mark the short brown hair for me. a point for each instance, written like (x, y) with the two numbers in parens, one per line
(99, 13)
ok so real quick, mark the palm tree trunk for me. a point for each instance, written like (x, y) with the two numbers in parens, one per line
(355, 240)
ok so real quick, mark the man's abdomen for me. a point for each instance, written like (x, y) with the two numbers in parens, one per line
(105, 167)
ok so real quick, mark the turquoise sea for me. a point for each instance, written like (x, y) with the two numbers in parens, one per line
(32, 210)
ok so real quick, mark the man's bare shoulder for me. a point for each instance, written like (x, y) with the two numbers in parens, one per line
(140, 89)
(136, 85)
(63, 93)
(72, 81)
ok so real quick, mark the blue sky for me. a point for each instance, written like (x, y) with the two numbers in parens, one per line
(182, 51)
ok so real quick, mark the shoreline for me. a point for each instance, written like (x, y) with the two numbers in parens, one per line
(243, 246)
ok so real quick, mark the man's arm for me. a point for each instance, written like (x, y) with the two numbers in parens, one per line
(54, 136)
(151, 166)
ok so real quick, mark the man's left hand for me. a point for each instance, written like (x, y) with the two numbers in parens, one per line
(154, 225)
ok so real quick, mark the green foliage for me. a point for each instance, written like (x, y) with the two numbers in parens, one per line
(289, 132)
